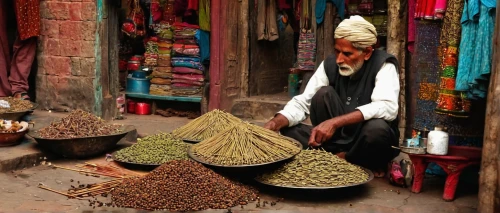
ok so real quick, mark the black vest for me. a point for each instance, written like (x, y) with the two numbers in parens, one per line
(356, 90)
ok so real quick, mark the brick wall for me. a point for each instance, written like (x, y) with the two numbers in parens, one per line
(66, 55)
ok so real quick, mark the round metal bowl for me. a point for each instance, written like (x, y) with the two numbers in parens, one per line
(16, 116)
(246, 169)
(12, 139)
(132, 165)
(82, 147)
(370, 173)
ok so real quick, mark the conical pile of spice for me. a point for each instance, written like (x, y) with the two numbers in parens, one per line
(78, 124)
(154, 149)
(245, 144)
(316, 168)
(15, 105)
(206, 125)
(181, 186)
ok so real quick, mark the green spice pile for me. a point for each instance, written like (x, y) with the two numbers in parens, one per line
(206, 125)
(78, 124)
(181, 186)
(245, 144)
(16, 105)
(316, 168)
(154, 149)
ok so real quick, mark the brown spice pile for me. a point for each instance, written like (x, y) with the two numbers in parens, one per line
(78, 124)
(182, 186)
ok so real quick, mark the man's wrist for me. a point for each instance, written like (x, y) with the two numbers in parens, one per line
(280, 120)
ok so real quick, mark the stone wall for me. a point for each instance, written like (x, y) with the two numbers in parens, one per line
(67, 55)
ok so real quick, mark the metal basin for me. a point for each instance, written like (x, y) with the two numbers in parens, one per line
(16, 116)
(82, 147)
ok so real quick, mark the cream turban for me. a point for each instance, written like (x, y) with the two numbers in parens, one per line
(357, 30)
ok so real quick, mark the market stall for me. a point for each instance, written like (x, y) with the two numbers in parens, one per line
(164, 51)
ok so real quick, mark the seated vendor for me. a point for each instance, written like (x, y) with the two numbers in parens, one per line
(352, 101)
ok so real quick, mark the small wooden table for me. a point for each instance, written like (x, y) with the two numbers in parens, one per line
(458, 158)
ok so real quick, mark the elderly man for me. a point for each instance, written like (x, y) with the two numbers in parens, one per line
(352, 100)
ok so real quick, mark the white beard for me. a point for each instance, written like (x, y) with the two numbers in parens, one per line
(346, 70)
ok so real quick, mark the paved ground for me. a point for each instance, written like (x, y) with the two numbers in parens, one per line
(19, 191)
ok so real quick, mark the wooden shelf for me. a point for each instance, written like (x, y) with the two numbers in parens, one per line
(164, 98)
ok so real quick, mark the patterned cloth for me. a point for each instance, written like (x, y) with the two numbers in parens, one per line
(425, 67)
(28, 18)
(476, 47)
(450, 32)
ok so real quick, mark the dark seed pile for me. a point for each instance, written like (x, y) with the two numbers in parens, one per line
(154, 149)
(78, 124)
(16, 105)
(182, 186)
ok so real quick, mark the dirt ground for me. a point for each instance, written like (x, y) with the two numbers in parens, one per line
(19, 190)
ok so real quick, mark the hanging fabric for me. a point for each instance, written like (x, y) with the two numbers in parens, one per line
(135, 23)
(204, 15)
(474, 67)
(321, 7)
(267, 26)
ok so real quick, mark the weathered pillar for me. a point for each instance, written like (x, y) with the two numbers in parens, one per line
(73, 60)
(489, 182)
(396, 44)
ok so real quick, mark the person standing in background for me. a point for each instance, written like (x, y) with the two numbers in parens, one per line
(15, 68)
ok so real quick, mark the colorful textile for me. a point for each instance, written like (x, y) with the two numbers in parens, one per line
(424, 68)
(162, 81)
(307, 51)
(474, 64)
(187, 82)
(190, 77)
(451, 29)
(186, 49)
(203, 38)
(28, 18)
(187, 62)
(321, 7)
(430, 9)
(186, 70)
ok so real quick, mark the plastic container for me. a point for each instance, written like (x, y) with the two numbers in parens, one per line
(142, 108)
(437, 142)
(130, 106)
(138, 85)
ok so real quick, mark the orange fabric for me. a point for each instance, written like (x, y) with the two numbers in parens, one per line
(28, 18)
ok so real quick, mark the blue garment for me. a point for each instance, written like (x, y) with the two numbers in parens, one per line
(321, 7)
(476, 49)
(203, 38)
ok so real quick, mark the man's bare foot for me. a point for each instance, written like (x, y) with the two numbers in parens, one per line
(341, 155)
(379, 174)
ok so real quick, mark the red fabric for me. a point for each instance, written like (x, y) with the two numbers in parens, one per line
(28, 18)
(193, 4)
(411, 25)
(282, 4)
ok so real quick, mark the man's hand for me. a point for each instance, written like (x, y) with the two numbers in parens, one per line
(277, 123)
(323, 132)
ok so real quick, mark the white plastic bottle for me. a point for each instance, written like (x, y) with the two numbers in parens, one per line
(437, 142)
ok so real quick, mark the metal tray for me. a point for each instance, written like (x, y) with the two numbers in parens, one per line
(191, 141)
(196, 158)
(370, 173)
(16, 116)
(132, 165)
(82, 147)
